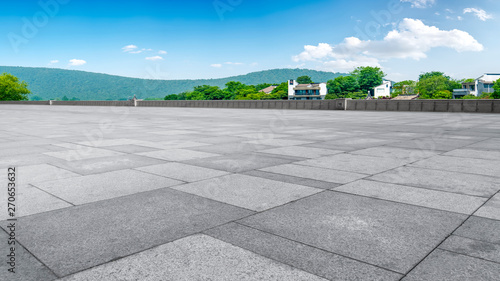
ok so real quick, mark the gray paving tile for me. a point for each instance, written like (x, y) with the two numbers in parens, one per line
(473, 153)
(107, 164)
(171, 144)
(20, 150)
(40, 173)
(93, 234)
(491, 209)
(83, 153)
(473, 248)
(428, 143)
(26, 267)
(26, 160)
(391, 235)
(91, 188)
(416, 196)
(482, 229)
(456, 182)
(490, 144)
(291, 179)
(301, 151)
(183, 172)
(177, 154)
(237, 163)
(31, 200)
(253, 193)
(172, 132)
(278, 142)
(471, 139)
(108, 142)
(443, 266)
(396, 152)
(315, 173)
(131, 148)
(458, 164)
(310, 259)
(198, 257)
(355, 163)
(263, 135)
(221, 139)
(231, 148)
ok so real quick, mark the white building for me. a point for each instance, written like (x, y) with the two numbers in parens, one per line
(315, 91)
(383, 90)
(483, 84)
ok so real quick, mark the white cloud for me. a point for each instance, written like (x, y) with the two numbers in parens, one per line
(216, 65)
(136, 52)
(53, 62)
(129, 48)
(480, 13)
(233, 63)
(420, 3)
(155, 58)
(140, 51)
(412, 39)
(133, 49)
(161, 52)
(76, 62)
(314, 52)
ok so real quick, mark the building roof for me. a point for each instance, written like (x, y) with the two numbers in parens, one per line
(314, 86)
(268, 90)
(489, 77)
(406, 97)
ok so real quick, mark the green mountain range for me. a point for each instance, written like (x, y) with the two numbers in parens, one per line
(52, 83)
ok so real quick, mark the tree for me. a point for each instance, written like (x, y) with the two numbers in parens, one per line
(496, 86)
(247, 93)
(469, 80)
(304, 80)
(280, 92)
(36, 98)
(443, 95)
(406, 87)
(11, 89)
(432, 84)
(262, 86)
(431, 74)
(469, 97)
(342, 86)
(65, 98)
(368, 77)
(171, 97)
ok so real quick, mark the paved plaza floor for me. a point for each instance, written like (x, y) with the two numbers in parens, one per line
(124, 193)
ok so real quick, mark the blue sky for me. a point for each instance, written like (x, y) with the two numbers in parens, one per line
(212, 39)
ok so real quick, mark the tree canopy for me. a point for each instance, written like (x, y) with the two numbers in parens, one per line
(436, 85)
(233, 91)
(342, 87)
(11, 89)
(368, 77)
(304, 80)
(406, 87)
(496, 86)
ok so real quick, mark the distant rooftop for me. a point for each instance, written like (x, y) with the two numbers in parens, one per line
(268, 90)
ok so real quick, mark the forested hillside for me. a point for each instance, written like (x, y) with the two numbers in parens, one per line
(51, 83)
